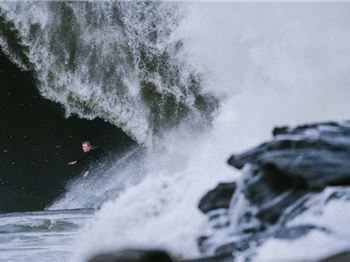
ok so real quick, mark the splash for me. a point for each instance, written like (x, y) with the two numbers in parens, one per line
(267, 64)
(270, 64)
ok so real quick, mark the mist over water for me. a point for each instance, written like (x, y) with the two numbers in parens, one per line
(273, 64)
(270, 65)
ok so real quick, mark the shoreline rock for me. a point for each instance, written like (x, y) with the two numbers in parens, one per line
(300, 170)
(219, 197)
(278, 177)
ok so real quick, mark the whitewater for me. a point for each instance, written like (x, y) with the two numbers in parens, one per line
(266, 74)
(258, 66)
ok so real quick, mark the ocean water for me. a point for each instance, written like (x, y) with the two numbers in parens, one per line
(41, 235)
(191, 83)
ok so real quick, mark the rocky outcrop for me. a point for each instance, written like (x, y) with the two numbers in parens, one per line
(136, 255)
(131, 255)
(219, 197)
(316, 155)
(279, 178)
(298, 173)
(341, 257)
(297, 161)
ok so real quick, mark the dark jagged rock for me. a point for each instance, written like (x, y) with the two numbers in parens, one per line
(233, 247)
(133, 256)
(295, 232)
(271, 193)
(341, 257)
(310, 153)
(297, 161)
(246, 241)
(327, 127)
(219, 197)
(279, 179)
(217, 258)
(278, 183)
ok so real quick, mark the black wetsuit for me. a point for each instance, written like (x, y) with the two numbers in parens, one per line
(90, 159)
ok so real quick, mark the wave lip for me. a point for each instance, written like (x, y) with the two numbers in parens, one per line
(119, 61)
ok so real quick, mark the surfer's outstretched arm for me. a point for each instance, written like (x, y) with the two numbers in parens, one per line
(73, 163)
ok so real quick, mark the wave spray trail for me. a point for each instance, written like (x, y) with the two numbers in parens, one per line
(266, 64)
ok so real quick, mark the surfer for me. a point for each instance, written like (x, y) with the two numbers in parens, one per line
(89, 159)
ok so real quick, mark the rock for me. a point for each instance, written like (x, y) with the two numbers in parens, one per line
(219, 197)
(218, 220)
(233, 247)
(341, 257)
(297, 161)
(310, 153)
(295, 232)
(215, 204)
(131, 255)
(217, 258)
(270, 193)
(280, 181)
(246, 241)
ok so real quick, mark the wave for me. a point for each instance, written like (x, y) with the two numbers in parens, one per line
(118, 61)
(288, 70)
(188, 61)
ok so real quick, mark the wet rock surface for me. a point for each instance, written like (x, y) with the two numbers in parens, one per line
(298, 173)
(279, 180)
(295, 162)
(135, 255)
(341, 257)
(219, 197)
(316, 155)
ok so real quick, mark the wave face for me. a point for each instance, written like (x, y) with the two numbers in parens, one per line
(115, 60)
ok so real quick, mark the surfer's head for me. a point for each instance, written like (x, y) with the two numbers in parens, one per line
(86, 145)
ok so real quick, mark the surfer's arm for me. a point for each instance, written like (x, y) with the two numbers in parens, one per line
(73, 163)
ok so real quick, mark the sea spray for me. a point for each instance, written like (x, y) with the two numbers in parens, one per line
(270, 64)
(160, 210)
(110, 178)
